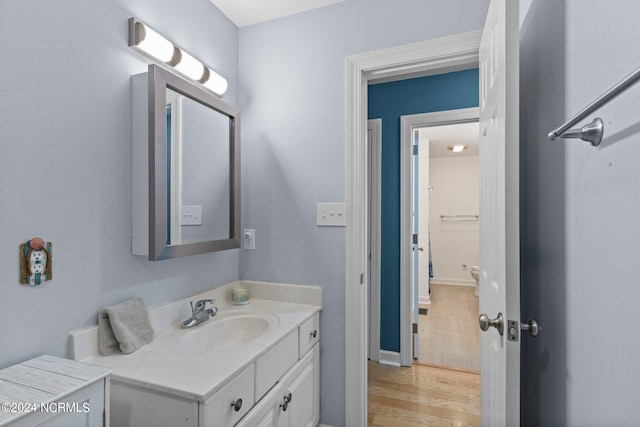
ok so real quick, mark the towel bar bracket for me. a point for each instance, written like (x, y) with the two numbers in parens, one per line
(591, 132)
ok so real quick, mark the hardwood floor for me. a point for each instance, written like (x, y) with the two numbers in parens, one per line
(422, 396)
(449, 334)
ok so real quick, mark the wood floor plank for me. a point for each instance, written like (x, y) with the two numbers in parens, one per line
(422, 396)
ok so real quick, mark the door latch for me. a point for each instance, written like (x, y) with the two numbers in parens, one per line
(513, 331)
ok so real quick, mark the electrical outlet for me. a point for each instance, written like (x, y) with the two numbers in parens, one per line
(249, 238)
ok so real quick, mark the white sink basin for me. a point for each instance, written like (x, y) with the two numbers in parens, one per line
(228, 329)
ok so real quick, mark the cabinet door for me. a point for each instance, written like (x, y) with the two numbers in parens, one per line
(303, 408)
(265, 413)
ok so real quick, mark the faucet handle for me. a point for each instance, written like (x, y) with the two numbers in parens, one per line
(200, 305)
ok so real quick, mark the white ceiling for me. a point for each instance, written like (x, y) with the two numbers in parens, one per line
(440, 137)
(248, 12)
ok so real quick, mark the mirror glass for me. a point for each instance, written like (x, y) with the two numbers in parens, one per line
(198, 171)
(194, 169)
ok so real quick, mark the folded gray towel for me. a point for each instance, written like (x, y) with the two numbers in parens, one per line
(124, 327)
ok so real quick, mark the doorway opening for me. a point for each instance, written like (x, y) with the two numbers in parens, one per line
(445, 183)
(436, 56)
(446, 342)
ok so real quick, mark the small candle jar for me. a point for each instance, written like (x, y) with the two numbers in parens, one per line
(240, 296)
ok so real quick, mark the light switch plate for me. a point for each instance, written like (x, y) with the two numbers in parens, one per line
(191, 215)
(331, 214)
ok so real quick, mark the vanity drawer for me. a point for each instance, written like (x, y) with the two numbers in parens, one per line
(218, 410)
(309, 334)
(271, 366)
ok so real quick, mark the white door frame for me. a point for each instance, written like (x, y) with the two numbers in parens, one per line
(375, 207)
(408, 124)
(436, 56)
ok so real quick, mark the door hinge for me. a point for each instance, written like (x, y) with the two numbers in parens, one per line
(415, 239)
(415, 328)
(361, 278)
(415, 150)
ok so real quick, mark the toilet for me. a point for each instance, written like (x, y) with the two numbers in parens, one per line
(475, 273)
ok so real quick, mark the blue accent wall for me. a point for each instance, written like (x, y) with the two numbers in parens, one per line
(389, 101)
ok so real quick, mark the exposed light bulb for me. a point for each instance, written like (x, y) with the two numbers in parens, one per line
(147, 41)
(154, 44)
(216, 83)
(190, 66)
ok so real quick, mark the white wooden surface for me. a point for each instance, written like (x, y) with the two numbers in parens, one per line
(47, 379)
(499, 210)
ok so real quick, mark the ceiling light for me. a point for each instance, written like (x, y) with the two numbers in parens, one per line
(147, 41)
(457, 148)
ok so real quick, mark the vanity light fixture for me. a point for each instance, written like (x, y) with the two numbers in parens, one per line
(457, 148)
(148, 42)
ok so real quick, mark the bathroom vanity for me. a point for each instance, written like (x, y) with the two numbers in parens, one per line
(250, 365)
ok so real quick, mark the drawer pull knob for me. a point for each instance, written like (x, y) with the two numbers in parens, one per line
(314, 333)
(236, 404)
(285, 404)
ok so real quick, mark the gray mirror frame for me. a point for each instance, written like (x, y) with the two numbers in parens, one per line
(159, 80)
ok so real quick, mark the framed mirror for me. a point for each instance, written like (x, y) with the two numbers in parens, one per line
(194, 169)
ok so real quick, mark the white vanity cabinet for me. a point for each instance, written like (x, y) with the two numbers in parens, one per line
(54, 392)
(294, 401)
(281, 387)
(201, 377)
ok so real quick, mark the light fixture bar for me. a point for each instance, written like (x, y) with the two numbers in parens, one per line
(150, 43)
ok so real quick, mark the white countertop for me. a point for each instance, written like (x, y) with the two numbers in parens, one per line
(164, 366)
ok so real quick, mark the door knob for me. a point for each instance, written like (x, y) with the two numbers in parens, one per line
(531, 326)
(486, 323)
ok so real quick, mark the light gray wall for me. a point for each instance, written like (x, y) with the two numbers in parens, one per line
(455, 183)
(65, 166)
(293, 101)
(580, 234)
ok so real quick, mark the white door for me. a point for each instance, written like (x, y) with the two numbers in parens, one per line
(499, 207)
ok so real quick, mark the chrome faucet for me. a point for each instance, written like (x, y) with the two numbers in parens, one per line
(200, 313)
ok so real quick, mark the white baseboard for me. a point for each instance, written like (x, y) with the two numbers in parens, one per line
(324, 425)
(389, 358)
(424, 300)
(454, 282)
